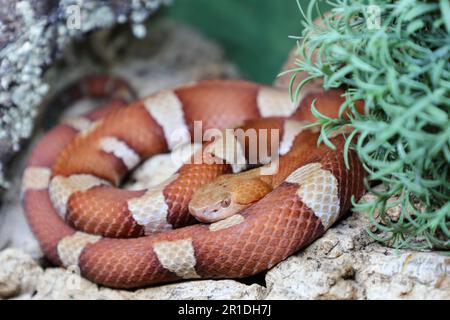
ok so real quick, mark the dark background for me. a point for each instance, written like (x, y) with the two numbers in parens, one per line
(254, 33)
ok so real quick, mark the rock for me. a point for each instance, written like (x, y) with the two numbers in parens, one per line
(19, 274)
(347, 264)
(33, 34)
(56, 284)
(62, 284)
(201, 290)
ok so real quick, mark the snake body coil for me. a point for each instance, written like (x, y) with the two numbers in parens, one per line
(128, 239)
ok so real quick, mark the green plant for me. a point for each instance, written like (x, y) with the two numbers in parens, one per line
(401, 70)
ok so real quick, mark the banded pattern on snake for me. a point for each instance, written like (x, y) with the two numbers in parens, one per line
(129, 239)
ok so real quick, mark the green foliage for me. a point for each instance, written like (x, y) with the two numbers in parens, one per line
(402, 72)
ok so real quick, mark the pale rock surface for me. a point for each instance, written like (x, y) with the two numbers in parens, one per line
(62, 284)
(347, 264)
(19, 274)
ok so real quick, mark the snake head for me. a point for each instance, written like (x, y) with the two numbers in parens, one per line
(226, 196)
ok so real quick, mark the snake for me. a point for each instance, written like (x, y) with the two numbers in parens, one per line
(121, 238)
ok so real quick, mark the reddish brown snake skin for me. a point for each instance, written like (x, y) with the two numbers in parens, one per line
(74, 207)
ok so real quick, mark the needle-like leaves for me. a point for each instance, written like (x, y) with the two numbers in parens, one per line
(401, 69)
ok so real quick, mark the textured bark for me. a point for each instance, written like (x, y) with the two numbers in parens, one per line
(33, 34)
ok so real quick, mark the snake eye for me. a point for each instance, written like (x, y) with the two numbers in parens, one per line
(225, 203)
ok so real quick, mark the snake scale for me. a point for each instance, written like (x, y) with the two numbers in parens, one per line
(128, 239)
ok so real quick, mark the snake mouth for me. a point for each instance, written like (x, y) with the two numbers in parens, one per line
(215, 214)
(205, 215)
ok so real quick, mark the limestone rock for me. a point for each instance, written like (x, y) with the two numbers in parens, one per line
(201, 290)
(19, 274)
(347, 264)
(62, 284)
(22, 278)
(57, 284)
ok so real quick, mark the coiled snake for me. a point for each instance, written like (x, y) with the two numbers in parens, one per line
(128, 239)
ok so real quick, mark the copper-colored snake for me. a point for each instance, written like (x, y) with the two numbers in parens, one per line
(127, 239)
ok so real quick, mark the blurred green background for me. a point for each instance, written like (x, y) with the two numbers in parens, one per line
(254, 33)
